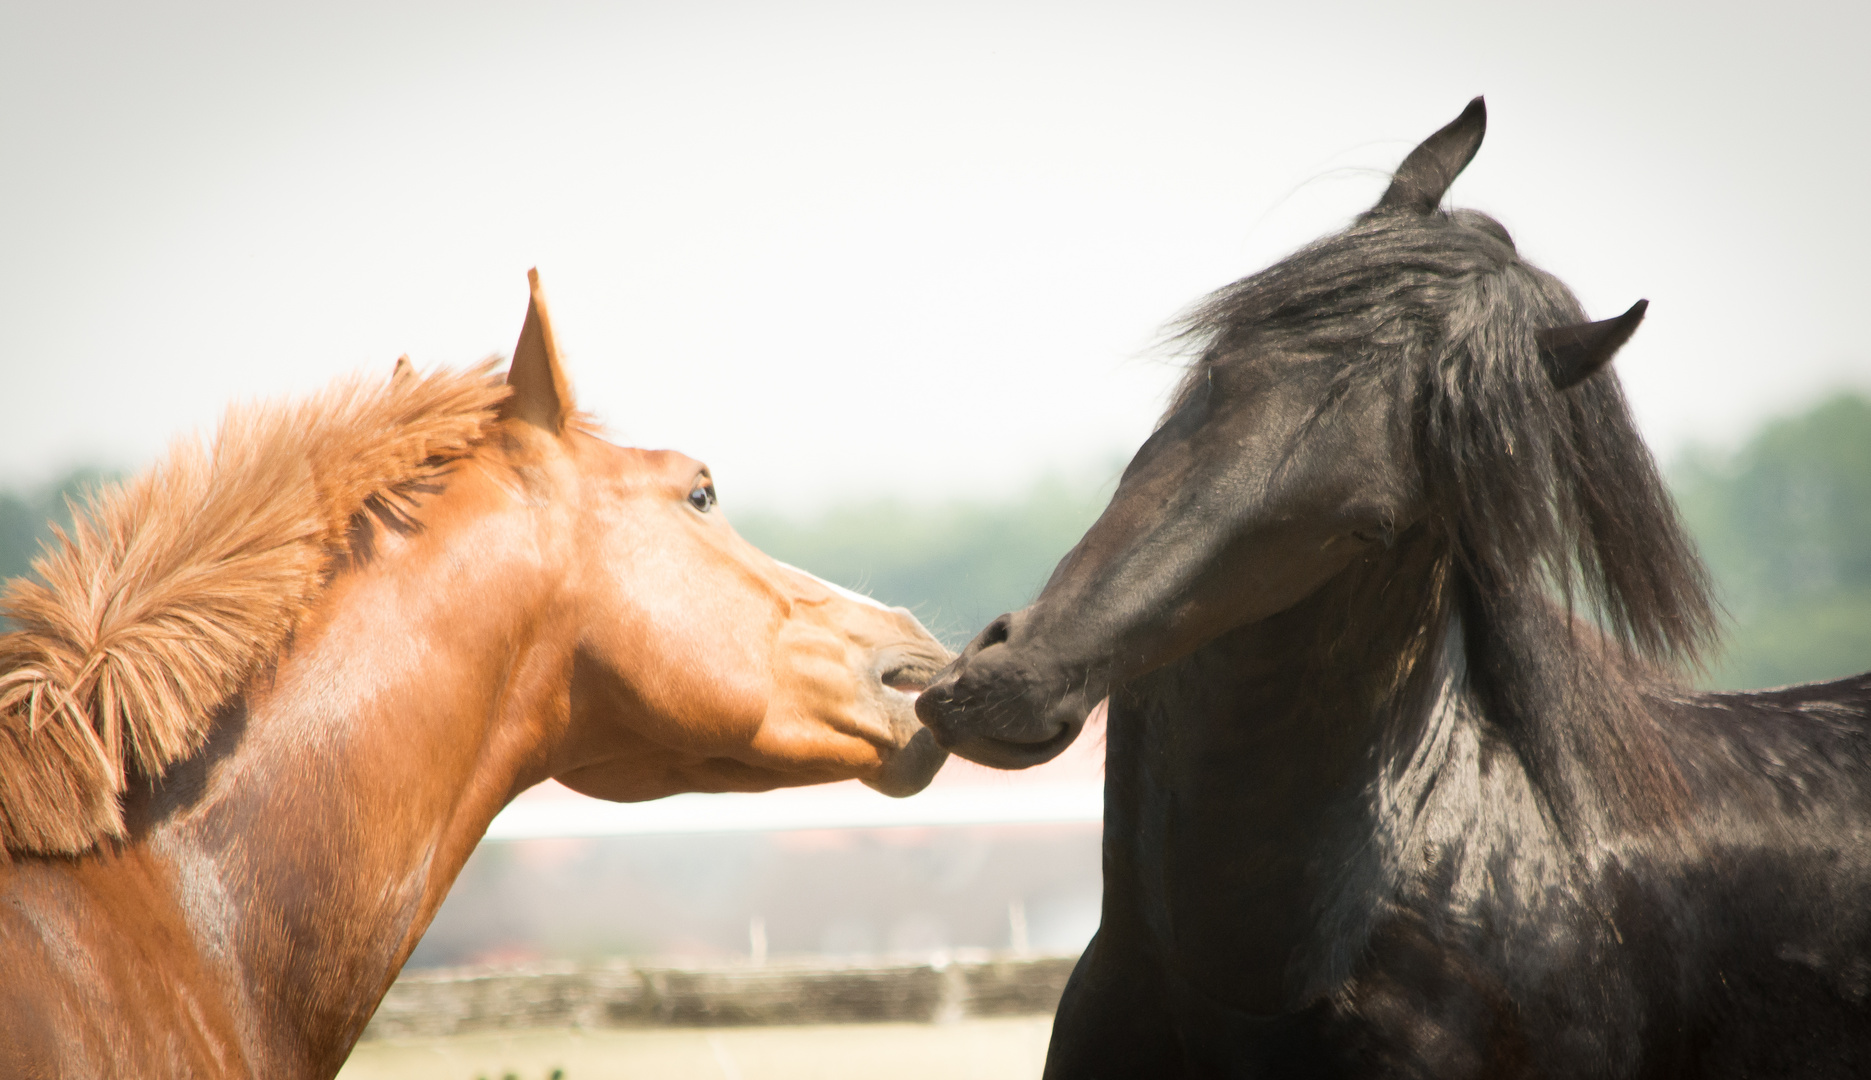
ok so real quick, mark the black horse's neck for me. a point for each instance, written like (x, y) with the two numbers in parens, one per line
(1369, 717)
(1276, 730)
(1577, 710)
(1344, 719)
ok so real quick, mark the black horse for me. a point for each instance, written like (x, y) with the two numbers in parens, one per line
(1400, 778)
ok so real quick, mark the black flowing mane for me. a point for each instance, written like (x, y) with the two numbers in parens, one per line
(1524, 478)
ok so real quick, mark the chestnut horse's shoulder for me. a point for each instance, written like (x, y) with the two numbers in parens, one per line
(102, 970)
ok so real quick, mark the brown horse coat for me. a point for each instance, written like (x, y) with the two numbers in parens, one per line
(243, 865)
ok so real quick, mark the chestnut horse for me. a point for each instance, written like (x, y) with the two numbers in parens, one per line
(1377, 803)
(265, 699)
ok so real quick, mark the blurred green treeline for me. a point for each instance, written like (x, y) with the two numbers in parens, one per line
(26, 519)
(1785, 526)
(1784, 523)
(956, 565)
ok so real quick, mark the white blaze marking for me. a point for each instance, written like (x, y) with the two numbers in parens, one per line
(840, 589)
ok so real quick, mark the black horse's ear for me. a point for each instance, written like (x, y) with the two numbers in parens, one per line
(1425, 176)
(1574, 352)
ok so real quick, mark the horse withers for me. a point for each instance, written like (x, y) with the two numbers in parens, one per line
(1401, 779)
(265, 698)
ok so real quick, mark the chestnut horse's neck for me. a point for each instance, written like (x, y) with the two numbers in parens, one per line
(307, 849)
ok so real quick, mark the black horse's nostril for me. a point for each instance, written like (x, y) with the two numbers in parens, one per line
(996, 632)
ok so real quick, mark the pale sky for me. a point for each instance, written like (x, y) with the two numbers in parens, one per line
(849, 249)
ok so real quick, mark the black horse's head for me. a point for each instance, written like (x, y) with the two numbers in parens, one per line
(1409, 372)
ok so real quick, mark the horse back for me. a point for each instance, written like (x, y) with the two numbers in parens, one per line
(1769, 933)
(1730, 940)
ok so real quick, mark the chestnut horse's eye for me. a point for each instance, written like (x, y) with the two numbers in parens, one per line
(702, 497)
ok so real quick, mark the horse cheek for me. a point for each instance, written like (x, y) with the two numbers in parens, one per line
(817, 702)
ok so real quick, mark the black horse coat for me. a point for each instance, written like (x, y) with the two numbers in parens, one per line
(1402, 779)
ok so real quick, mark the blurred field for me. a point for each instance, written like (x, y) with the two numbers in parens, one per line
(1012, 1048)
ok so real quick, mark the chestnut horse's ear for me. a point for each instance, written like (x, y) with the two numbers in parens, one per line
(1425, 176)
(404, 369)
(1574, 352)
(541, 396)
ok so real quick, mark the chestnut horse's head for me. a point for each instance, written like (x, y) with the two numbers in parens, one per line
(701, 664)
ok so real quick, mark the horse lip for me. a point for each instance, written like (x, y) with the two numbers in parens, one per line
(911, 767)
(999, 753)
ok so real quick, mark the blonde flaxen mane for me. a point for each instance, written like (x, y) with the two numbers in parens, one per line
(175, 588)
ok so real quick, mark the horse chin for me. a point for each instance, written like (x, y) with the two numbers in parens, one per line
(910, 768)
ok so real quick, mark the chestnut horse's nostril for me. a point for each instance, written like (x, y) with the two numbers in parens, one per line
(909, 670)
(910, 679)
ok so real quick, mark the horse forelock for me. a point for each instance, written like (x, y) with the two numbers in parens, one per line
(172, 589)
(1524, 479)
